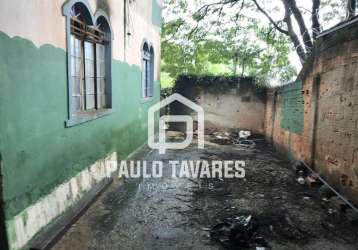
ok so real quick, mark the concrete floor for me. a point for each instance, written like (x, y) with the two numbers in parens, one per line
(169, 213)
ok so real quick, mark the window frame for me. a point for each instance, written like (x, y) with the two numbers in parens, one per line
(149, 57)
(75, 117)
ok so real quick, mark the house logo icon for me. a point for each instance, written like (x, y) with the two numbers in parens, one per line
(162, 145)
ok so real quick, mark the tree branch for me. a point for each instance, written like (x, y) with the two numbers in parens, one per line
(316, 27)
(204, 11)
(307, 41)
(294, 38)
(351, 8)
(206, 7)
(270, 19)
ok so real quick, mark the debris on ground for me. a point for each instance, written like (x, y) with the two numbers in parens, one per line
(243, 138)
(221, 134)
(334, 204)
(241, 231)
(299, 168)
(145, 213)
(304, 177)
(338, 204)
(301, 180)
(222, 137)
(313, 181)
(244, 134)
(246, 143)
(326, 192)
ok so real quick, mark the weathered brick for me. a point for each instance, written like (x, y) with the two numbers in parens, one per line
(331, 141)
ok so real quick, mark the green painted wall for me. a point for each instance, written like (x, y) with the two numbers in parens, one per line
(292, 113)
(38, 152)
(156, 14)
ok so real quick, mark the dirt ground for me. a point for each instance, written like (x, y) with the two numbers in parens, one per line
(178, 213)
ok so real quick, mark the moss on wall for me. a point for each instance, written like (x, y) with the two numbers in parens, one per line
(189, 85)
(292, 113)
(38, 152)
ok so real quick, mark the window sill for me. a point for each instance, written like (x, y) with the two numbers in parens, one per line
(147, 99)
(86, 117)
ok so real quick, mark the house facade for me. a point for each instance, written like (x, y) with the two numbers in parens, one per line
(77, 79)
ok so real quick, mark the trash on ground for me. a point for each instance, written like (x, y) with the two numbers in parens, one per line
(313, 181)
(300, 168)
(331, 211)
(338, 204)
(243, 134)
(301, 180)
(241, 231)
(245, 143)
(221, 137)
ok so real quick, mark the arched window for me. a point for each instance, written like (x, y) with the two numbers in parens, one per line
(103, 65)
(82, 60)
(147, 70)
(89, 63)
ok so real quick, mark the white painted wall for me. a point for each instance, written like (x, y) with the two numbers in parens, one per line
(42, 22)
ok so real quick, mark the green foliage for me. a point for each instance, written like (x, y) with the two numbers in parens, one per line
(230, 44)
(215, 83)
(166, 81)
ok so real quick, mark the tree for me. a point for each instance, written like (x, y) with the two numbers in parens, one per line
(244, 37)
(246, 52)
(351, 8)
(225, 46)
(302, 38)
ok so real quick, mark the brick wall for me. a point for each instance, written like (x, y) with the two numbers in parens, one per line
(288, 122)
(317, 121)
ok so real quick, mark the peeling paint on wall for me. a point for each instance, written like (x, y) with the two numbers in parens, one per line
(38, 152)
(23, 226)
